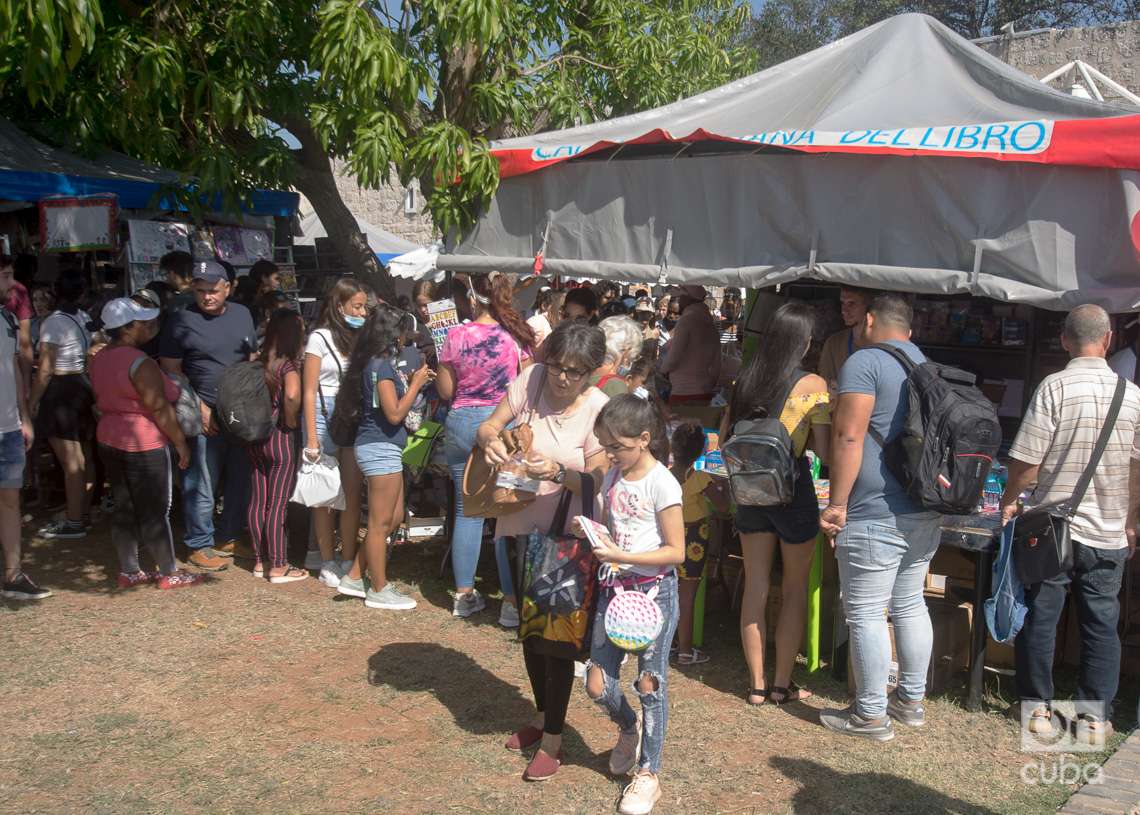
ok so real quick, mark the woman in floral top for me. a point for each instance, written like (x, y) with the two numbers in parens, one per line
(806, 412)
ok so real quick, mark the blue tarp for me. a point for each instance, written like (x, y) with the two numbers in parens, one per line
(20, 185)
(31, 170)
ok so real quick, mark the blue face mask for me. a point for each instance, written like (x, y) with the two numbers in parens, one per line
(353, 322)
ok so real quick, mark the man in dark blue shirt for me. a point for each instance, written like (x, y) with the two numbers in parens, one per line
(200, 342)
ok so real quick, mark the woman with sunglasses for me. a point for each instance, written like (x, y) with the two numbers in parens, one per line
(561, 407)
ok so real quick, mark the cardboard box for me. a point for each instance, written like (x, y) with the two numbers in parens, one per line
(952, 562)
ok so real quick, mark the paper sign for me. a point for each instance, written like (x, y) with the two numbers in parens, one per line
(78, 224)
(442, 317)
(242, 247)
(150, 240)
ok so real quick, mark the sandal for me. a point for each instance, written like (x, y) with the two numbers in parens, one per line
(692, 657)
(761, 692)
(291, 575)
(792, 693)
(258, 570)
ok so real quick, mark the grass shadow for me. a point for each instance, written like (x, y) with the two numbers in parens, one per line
(825, 790)
(479, 701)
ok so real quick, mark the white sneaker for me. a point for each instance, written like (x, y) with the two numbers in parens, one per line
(640, 796)
(331, 573)
(508, 616)
(579, 670)
(467, 603)
(313, 560)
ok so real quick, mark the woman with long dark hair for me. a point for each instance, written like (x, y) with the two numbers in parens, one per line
(326, 360)
(271, 462)
(374, 400)
(62, 402)
(477, 363)
(773, 384)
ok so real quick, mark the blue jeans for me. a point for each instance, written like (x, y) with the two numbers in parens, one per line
(211, 457)
(653, 661)
(1095, 579)
(467, 536)
(882, 566)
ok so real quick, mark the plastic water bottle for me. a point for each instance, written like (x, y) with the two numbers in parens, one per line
(991, 500)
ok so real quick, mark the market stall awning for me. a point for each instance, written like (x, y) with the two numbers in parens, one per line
(902, 156)
(31, 170)
(383, 243)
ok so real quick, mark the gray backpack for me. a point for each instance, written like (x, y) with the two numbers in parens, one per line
(761, 464)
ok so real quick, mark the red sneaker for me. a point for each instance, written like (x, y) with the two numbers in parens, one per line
(525, 737)
(129, 581)
(179, 580)
(542, 767)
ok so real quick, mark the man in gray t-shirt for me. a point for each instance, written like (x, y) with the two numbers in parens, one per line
(883, 541)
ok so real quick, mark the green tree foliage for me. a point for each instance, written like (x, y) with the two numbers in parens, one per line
(421, 86)
(783, 29)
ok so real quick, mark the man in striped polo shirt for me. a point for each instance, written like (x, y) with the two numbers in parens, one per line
(1052, 449)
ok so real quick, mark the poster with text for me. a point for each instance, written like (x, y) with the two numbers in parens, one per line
(442, 317)
(78, 223)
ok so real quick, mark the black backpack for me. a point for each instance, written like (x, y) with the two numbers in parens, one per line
(949, 439)
(244, 409)
(761, 463)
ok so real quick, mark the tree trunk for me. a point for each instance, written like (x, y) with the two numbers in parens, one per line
(315, 179)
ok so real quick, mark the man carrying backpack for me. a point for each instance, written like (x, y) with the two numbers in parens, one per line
(1059, 436)
(883, 538)
(200, 342)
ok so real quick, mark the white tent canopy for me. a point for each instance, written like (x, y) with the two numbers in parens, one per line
(383, 243)
(902, 157)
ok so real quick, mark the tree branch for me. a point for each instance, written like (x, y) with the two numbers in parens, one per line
(563, 57)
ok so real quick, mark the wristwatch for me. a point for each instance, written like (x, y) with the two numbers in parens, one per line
(561, 476)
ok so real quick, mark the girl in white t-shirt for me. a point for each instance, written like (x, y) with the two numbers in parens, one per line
(641, 505)
(326, 360)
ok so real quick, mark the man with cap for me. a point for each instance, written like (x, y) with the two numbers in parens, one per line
(692, 357)
(200, 342)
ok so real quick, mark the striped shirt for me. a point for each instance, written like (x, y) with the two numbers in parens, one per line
(1058, 434)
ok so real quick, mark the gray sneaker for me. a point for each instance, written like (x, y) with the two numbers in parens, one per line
(352, 587)
(850, 723)
(468, 603)
(388, 598)
(912, 714)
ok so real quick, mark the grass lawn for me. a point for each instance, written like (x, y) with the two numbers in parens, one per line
(239, 696)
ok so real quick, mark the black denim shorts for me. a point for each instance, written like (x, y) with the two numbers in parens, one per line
(798, 522)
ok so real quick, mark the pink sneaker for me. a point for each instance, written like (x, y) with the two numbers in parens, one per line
(179, 580)
(129, 581)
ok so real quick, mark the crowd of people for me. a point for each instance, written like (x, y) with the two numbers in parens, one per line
(126, 394)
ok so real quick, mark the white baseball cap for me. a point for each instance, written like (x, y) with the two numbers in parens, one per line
(123, 310)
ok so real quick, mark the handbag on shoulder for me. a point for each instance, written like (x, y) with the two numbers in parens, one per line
(1042, 546)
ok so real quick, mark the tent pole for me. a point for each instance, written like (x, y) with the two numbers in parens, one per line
(1092, 85)
(1115, 87)
(1064, 69)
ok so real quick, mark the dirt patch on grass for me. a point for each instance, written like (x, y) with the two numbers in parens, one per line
(244, 697)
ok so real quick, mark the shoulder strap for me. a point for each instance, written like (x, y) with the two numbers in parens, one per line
(1101, 443)
(82, 330)
(904, 359)
(9, 318)
(340, 370)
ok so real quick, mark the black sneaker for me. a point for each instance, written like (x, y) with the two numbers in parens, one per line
(63, 530)
(850, 723)
(22, 588)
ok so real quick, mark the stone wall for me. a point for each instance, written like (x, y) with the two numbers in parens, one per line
(1113, 49)
(385, 207)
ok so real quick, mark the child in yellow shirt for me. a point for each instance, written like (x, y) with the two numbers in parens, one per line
(697, 490)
